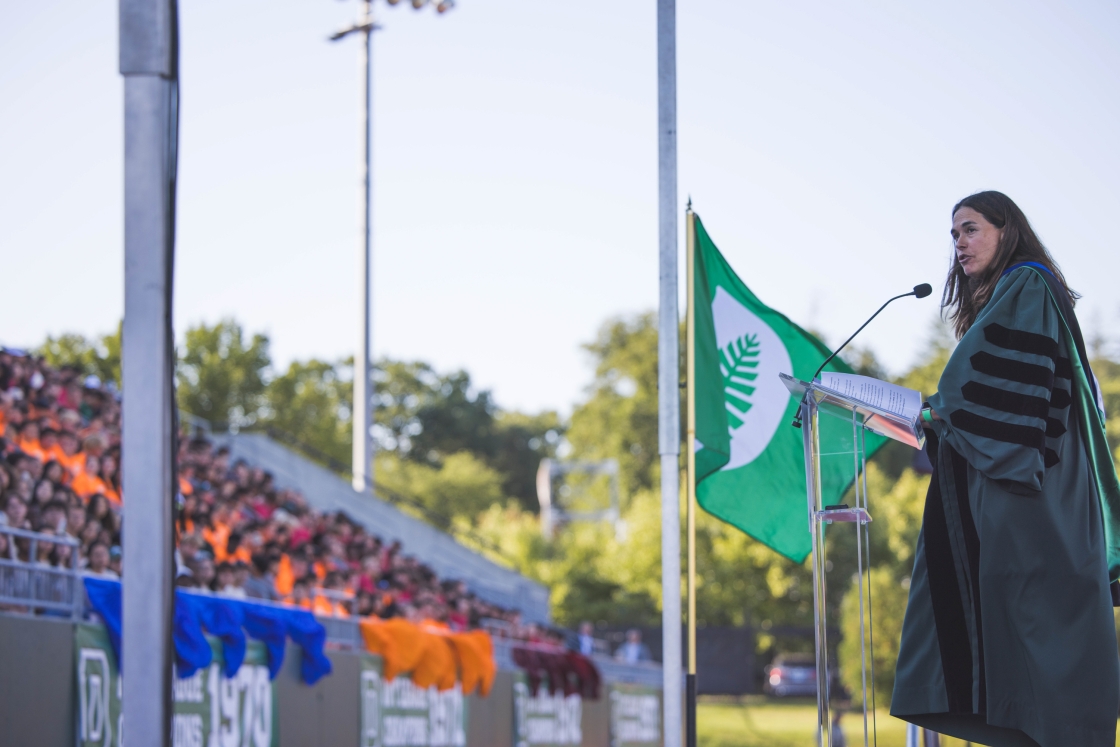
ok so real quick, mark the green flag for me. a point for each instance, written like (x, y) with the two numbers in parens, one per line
(750, 461)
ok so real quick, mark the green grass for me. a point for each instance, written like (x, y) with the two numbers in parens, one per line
(755, 721)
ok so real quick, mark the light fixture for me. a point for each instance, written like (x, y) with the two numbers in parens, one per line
(445, 5)
(418, 4)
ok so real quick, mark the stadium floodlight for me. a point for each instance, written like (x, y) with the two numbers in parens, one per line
(362, 466)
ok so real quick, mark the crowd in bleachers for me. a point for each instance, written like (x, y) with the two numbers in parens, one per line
(237, 533)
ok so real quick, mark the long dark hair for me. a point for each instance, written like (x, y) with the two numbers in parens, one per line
(964, 297)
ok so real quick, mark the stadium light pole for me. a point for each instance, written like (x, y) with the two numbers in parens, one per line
(363, 410)
(149, 64)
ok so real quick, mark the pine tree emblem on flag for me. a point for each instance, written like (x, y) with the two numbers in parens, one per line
(750, 463)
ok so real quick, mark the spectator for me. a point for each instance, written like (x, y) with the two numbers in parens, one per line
(75, 519)
(633, 650)
(202, 570)
(225, 582)
(53, 517)
(586, 641)
(89, 482)
(185, 554)
(116, 558)
(262, 583)
(99, 562)
(15, 513)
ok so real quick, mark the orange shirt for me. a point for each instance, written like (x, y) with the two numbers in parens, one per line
(218, 537)
(32, 448)
(113, 496)
(328, 608)
(285, 578)
(86, 485)
(72, 464)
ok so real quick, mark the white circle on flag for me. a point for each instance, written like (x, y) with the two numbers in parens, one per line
(758, 412)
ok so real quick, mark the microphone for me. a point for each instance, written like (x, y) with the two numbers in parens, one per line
(920, 291)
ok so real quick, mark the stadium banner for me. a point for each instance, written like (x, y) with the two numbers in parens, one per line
(369, 700)
(544, 720)
(400, 714)
(99, 688)
(235, 710)
(635, 715)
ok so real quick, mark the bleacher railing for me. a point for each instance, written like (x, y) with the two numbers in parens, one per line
(34, 586)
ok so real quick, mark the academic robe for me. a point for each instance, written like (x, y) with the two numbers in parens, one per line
(1009, 637)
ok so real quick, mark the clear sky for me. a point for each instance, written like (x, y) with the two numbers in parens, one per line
(515, 202)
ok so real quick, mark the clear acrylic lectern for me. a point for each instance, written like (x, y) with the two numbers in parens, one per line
(844, 422)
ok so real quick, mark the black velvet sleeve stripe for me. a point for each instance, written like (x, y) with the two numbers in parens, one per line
(1024, 435)
(1012, 370)
(1005, 401)
(1060, 399)
(1063, 369)
(1050, 458)
(1054, 428)
(1024, 342)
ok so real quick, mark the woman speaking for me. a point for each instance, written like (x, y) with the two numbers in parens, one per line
(1009, 636)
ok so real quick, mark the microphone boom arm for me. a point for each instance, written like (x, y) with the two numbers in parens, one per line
(835, 352)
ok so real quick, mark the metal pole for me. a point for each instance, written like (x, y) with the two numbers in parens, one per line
(690, 473)
(148, 64)
(362, 470)
(668, 370)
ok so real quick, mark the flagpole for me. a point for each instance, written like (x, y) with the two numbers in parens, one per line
(690, 379)
(669, 371)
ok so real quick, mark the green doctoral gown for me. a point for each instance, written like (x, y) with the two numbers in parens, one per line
(1009, 637)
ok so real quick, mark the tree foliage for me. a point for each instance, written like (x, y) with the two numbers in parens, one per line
(619, 417)
(223, 373)
(99, 356)
(312, 400)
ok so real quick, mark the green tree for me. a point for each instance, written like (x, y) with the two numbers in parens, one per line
(619, 417)
(99, 356)
(424, 416)
(223, 375)
(521, 441)
(312, 401)
(592, 574)
(884, 632)
(462, 486)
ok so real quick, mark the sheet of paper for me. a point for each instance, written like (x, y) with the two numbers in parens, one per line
(895, 399)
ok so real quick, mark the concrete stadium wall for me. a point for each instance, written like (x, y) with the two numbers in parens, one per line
(37, 683)
(326, 491)
(325, 713)
(38, 696)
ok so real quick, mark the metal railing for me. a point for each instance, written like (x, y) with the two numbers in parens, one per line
(34, 586)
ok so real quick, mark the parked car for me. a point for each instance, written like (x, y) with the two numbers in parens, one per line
(791, 674)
